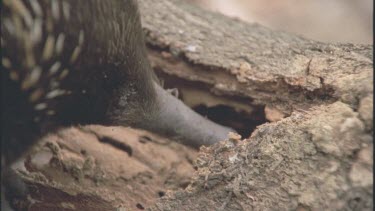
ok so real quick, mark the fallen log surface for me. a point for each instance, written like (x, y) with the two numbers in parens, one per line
(235, 58)
(318, 160)
(314, 154)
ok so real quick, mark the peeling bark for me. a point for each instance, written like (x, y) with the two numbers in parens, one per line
(315, 155)
(234, 58)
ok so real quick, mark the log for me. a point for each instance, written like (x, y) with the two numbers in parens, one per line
(315, 160)
(102, 168)
(250, 61)
(315, 153)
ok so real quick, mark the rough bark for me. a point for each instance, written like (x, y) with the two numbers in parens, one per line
(234, 58)
(318, 160)
(103, 168)
(316, 155)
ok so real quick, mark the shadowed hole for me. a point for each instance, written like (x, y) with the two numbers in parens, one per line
(144, 139)
(140, 206)
(161, 193)
(242, 122)
(117, 144)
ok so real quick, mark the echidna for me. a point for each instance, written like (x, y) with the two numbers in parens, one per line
(67, 62)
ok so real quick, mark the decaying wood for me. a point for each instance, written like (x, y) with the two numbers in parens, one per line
(318, 160)
(234, 58)
(318, 157)
(103, 168)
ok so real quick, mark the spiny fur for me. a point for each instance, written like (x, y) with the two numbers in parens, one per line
(69, 62)
(38, 70)
(46, 79)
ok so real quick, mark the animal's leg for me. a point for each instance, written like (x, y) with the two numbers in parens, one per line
(172, 117)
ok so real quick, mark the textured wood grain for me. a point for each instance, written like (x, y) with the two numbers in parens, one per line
(250, 60)
(319, 158)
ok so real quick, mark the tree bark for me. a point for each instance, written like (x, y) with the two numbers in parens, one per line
(315, 155)
(247, 60)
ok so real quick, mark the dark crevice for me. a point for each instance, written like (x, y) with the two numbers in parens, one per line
(184, 185)
(144, 139)
(83, 152)
(117, 144)
(140, 206)
(111, 141)
(161, 193)
(242, 122)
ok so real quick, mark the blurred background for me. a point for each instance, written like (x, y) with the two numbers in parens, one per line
(322, 20)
